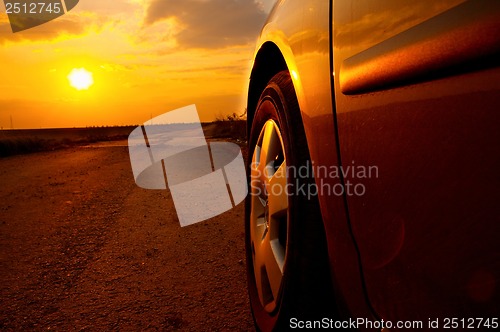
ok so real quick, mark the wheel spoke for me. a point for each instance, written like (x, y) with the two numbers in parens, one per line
(257, 216)
(259, 266)
(273, 266)
(277, 192)
(270, 148)
(257, 185)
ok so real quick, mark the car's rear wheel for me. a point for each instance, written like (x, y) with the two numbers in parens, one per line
(287, 264)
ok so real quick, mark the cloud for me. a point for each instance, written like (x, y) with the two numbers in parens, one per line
(210, 23)
(67, 25)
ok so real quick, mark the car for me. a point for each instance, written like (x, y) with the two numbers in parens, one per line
(373, 167)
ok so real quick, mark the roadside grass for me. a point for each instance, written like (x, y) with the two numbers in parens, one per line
(24, 141)
(14, 142)
(234, 129)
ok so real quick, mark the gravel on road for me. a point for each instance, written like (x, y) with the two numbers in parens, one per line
(82, 248)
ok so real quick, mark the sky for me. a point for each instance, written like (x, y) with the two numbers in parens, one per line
(146, 57)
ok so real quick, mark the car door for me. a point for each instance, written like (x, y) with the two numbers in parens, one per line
(417, 86)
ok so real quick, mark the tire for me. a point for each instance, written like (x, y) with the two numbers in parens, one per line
(287, 261)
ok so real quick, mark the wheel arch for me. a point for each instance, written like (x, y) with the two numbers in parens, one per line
(268, 62)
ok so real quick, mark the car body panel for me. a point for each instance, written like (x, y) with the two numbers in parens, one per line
(302, 35)
(427, 227)
(421, 242)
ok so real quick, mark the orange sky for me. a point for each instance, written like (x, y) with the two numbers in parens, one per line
(147, 57)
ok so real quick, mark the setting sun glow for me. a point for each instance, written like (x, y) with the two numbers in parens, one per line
(123, 62)
(80, 78)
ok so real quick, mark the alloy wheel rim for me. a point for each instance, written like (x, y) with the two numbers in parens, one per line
(269, 214)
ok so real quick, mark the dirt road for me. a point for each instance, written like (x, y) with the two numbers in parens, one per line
(83, 249)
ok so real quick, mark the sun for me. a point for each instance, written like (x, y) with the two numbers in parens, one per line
(80, 79)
